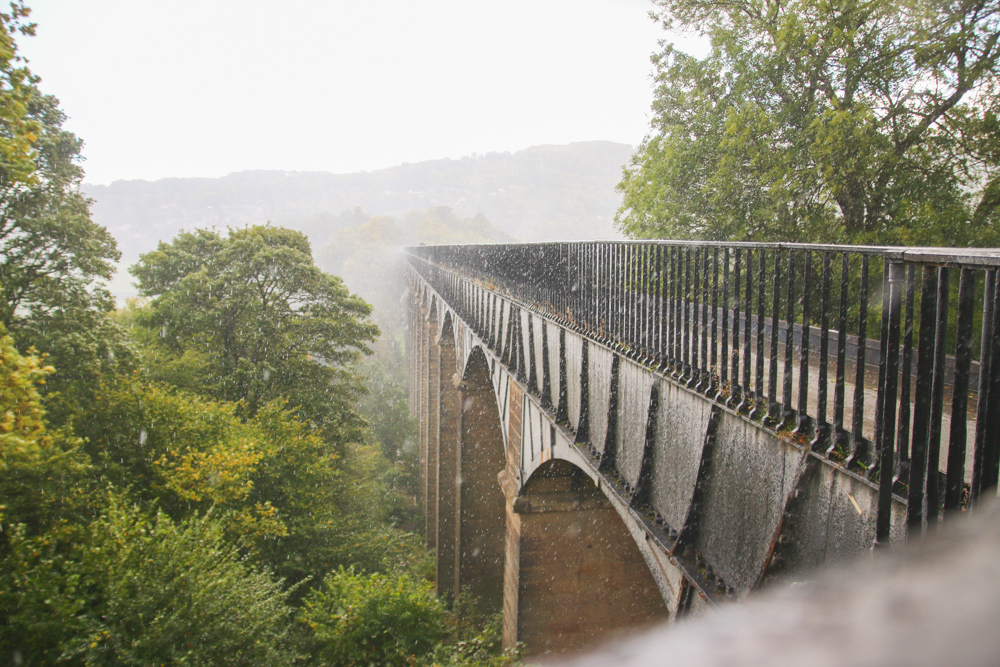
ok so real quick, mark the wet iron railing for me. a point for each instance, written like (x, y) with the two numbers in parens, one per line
(873, 357)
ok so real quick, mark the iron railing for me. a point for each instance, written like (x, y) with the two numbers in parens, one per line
(903, 339)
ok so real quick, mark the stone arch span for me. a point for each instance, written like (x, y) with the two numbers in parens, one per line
(579, 576)
(481, 501)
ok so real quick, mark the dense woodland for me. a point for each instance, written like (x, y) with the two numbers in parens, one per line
(191, 478)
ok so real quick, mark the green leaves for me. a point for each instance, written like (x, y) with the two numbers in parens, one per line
(178, 594)
(255, 310)
(852, 121)
(374, 619)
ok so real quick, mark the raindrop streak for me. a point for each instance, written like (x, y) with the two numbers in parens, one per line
(266, 374)
(142, 437)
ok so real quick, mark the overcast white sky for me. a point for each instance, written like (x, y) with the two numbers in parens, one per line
(209, 87)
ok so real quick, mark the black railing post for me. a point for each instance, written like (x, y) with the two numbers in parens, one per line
(903, 435)
(759, 407)
(747, 404)
(713, 381)
(724, 345)
(883, 522)
(840, 439)
(773, 407)
(704, 376)
(991, 453)
(937, 398)
(960, 391)
(788, 411)
(861, 451)
(822, 440)
(686, 305)
(804, 425)
(922, 404)
(695, 327)
(735, 397)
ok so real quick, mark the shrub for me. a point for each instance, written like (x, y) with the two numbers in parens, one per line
(178, 594)
(374, 619)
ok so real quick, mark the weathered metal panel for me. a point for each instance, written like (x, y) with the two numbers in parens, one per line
(574, 361)
(538, 361)
(552, 333)
(534, 444)
(514, 430)
(830, 519)
(524, 343)
(680, 436)
(599, 360)
(751, 475)
(634, 385)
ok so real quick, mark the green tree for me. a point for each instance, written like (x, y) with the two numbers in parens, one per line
(53, 257)
(183, 454)
(283, 493)
(250, 318)
(45, 502)
(852, 121)
(180, 594)
(17, 165)
(43, 475)
(374, 620)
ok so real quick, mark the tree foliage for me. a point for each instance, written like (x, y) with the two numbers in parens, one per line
(53, 257)
(180, 594)
(258, 321)
(16, 160)
(374, 619)
(850, 121)
(43, 476)
(141, 590)
(182, 473)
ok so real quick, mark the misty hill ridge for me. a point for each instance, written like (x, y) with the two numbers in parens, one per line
(542, 193)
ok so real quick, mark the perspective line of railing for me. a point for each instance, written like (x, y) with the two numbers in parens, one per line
(908, 334)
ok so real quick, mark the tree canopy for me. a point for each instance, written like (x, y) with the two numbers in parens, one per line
(248, 317)
(868, 121)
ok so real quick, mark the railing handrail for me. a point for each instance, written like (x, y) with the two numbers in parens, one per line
(974, 257)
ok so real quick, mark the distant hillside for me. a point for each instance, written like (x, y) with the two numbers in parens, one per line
(541, 193)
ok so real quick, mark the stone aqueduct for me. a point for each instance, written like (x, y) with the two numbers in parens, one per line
(585, 485)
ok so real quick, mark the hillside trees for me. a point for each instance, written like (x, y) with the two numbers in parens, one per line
(182, 474)
(863, 121)
(141, 521)
(42, 473)
(249, 318)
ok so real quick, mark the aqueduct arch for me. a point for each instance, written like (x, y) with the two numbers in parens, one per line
(579, 576)
(552, 551)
